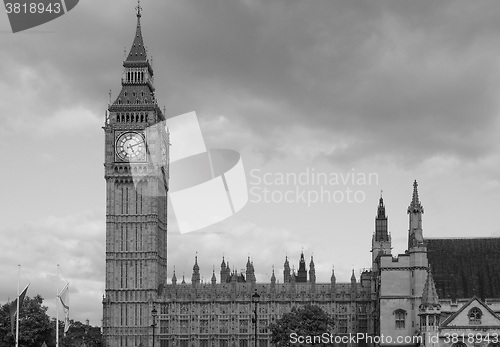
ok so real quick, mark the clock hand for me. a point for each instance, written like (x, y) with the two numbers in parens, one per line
(138, 143)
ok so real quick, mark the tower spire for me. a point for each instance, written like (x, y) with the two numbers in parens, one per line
(429, 295)
(137, 79)
(302, 272)
(381, 233)
(415, 210)
(415, 202)
(137, 51)
(312, 271)
(195, 278)
(286, 271)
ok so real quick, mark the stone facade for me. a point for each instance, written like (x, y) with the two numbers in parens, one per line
(136, 203)
(220, 314)
(396, 298)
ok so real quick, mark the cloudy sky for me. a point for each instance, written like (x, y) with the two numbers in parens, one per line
(391, 90)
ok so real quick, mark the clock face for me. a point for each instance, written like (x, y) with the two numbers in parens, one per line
(130, 146)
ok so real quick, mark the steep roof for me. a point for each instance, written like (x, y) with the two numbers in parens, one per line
(464, 267)
(137, 51)
(429, 295)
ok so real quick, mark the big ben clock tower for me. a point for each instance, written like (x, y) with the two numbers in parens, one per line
(136, 173)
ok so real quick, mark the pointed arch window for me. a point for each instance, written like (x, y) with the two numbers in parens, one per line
(400, 318)
(475, 315)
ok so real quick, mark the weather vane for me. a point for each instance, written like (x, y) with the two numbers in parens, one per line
(138, 8)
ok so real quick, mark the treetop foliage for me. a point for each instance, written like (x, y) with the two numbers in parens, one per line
(36, 327)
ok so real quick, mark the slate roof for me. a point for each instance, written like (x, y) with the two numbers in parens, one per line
(137, 51)
(465, 267)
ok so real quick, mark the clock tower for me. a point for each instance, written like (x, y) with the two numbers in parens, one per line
(136, 173)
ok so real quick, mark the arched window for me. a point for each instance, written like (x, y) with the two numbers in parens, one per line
(459, 344)
(400, 317)
(475, 315)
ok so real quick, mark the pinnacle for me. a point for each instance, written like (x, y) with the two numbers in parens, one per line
(137, 51)
(429, 295)
(415, 205)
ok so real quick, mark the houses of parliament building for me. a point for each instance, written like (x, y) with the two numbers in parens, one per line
(400, 296)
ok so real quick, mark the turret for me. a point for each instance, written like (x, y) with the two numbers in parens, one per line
(223, 275)
(174, 279)
(286, 271)
(353, 282)
(214, 279)
(302, 272)
(195, 278)
(250, 272)
(415, 211)
(332, 280)
(312, 271)
(381, 240)
(430, 312)
(228, 273)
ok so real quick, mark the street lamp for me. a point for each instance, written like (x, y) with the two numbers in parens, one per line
(255, 300)
(154, 313)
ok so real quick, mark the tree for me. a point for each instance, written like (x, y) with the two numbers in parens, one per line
(308, 320)
(78, 334)
(35, 328)
(34, 324)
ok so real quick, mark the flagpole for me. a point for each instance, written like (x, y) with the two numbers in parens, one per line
(17, 316)
(57, 307)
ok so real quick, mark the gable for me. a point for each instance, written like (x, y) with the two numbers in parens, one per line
(473, 314)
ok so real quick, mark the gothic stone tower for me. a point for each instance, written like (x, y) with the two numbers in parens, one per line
(401, 279)
(136, 173)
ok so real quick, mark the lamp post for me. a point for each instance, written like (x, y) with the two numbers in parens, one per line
(154, 313)
(255, 300)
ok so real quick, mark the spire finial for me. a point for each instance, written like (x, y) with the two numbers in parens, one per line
(415, 192)
(415, 205)
(138, 8)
